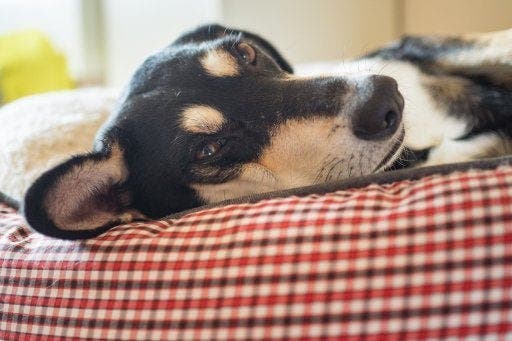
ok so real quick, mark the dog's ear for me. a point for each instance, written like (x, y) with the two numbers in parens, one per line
(271, 50)
(203, 33)
(215, 31)
(81, 197)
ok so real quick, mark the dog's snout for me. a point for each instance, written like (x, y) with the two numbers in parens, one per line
(380, 115)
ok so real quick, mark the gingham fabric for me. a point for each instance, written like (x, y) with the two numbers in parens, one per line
(426, 259)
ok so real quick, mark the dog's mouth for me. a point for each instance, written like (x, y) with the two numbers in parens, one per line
(392, 152)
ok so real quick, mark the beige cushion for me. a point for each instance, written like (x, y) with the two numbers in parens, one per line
(38, 132)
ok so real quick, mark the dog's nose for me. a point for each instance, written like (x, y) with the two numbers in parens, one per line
(380, 115)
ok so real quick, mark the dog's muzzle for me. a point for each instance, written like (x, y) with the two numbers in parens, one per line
(380, 114)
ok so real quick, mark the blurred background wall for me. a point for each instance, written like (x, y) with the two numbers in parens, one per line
(104, 40)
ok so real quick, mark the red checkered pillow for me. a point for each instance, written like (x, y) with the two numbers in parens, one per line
(430, 258)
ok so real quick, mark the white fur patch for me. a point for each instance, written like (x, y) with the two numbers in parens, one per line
(202, 119)
(220, 63)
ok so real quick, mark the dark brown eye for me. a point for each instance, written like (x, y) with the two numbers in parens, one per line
(247, 53)
(208, 149)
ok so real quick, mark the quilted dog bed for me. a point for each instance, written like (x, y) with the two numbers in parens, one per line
(417, 254)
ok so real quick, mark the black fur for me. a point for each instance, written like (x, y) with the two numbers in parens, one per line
(159, 154)
(170, 81)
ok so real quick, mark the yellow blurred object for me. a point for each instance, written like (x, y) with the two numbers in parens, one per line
(29, 64)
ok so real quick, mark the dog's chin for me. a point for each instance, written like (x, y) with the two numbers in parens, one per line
(393, 154)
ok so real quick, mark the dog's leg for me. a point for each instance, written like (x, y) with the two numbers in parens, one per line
(477, 147)
(481, 49)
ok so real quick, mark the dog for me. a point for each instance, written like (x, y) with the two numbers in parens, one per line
(219, 114)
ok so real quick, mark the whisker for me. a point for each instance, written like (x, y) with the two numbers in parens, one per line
(333, 166)
(329, 174)
(325, 165)
(385, 65)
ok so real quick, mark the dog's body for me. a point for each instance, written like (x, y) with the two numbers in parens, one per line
(458, 94)
(218, 114)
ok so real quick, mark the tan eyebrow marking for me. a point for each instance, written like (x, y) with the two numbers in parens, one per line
(202, 119)
(220, 63)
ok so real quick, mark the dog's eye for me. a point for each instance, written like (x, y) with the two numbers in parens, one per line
(247, 53)
(208, 149)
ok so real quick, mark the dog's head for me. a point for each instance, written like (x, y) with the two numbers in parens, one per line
(216, 115)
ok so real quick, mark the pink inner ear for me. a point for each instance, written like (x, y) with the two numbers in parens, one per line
(88, 196)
